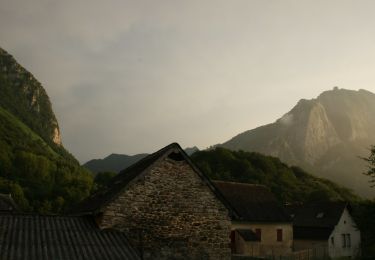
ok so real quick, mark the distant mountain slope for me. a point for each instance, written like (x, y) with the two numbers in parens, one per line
(118, 162)
(288, 184)
(34, 166)
(113, 162)
(325, 136)
(190, 150)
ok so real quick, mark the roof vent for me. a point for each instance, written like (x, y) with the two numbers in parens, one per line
(176, 156)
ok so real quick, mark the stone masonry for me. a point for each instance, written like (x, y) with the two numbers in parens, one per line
(171, 213)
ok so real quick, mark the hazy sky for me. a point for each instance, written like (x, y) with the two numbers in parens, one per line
(134, 76)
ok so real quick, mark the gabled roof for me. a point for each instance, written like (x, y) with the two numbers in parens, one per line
(56, 237)
(7, 203)
(316, 220)
(101, 198)
(318, 214)
(253, 203)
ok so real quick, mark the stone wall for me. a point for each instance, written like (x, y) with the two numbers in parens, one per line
(171, 214)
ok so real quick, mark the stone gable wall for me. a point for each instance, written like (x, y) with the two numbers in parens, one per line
(172, 214)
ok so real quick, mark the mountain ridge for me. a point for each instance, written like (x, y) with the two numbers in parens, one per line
(320, 134)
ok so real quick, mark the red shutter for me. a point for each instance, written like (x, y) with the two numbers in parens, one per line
(233, 241)
(258, 233)
(279, 235)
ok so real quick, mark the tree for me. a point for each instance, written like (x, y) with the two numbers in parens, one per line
(371, 166)
(102, 179)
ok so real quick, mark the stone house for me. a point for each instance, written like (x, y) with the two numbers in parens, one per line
(260, 225)
(326, 227)
(166, 207)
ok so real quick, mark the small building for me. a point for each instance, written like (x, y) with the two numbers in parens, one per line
(260, 225)
(167, 208)
(327, 228)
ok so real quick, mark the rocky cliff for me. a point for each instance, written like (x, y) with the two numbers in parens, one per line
(24, 97)
(326, 135)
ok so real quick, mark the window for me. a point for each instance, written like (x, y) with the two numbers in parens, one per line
(258, 233)
(279, 235)
(346, 241)
(343, 239)
(320, 215)
(333, 241)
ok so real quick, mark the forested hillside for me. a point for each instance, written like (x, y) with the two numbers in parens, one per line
(34, 166)
(289, 184)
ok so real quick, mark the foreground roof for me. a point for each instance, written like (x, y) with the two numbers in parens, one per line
(99, 199)
(57, 237)
(253, 203)
(316, 220)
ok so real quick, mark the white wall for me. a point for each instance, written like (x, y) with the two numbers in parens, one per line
(345, 225)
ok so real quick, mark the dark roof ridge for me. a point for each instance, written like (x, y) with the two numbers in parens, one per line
(160, 151)
(120, 182)
(242, 183)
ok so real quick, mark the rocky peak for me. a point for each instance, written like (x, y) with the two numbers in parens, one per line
(327, 134)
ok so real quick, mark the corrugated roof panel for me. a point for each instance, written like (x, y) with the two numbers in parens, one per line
(57, 237)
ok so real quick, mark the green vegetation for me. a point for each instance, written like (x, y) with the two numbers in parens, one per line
(102, 179)
(364, 215)
(39, 178)
(289, 184)
(371, 165)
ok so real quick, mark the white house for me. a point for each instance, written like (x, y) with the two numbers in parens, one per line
(327, 228)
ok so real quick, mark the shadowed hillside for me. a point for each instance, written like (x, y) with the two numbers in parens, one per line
(289, 184)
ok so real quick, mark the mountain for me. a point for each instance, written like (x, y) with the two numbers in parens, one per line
(113, 162)
(118, 162)
(35, 168)
(326, 136)
(289, 184)
(190, 150)
(23, 96)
